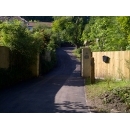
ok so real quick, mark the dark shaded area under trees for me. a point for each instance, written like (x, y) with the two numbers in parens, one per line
(39, 18)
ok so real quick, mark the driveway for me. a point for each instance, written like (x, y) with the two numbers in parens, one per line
(60, 91)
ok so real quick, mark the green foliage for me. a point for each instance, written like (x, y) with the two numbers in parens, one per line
(110, 33)
(46, 40)
(44, 37)
(69, 28)
(111, 92)
(19, 39)
(77, 52)
(119, 95)
(24, 46)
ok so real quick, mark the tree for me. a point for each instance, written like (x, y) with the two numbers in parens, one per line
(69, 28)
(24, 46)
(20, 41)
(107, 33)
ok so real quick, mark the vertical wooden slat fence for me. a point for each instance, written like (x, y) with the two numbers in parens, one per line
(116, 68)
(4, 57)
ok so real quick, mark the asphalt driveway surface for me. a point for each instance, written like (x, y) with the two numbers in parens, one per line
(60, 91)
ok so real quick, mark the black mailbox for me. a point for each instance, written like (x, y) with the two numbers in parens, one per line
(106, 59)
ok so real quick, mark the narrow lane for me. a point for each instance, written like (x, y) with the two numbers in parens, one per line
(61, 91)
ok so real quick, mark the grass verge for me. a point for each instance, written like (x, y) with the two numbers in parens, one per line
(77, 53)
(109, 95)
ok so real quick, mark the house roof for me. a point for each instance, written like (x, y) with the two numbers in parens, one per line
(8, 18)
(29, 24)
(32, 24)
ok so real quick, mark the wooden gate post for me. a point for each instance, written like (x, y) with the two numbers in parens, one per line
(86, 60)
(35, 67)
(4, 57)
(92, 73)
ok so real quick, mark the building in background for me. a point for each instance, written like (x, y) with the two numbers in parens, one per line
(11, 18)
(30, 25)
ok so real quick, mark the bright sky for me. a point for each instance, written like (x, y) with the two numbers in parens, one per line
(65, 7)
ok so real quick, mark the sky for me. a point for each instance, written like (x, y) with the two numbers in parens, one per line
(65, 8)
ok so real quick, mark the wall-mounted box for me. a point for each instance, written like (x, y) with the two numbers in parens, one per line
(106, 59)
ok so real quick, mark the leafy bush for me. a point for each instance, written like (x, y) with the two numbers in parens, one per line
(19, 39)
(108, 33)
(24, 46)
(78, 51)
(119, 95)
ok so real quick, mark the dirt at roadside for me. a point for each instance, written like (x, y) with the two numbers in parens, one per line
(96, 105)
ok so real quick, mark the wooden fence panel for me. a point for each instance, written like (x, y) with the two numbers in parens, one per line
(4, 57)
(116, 68)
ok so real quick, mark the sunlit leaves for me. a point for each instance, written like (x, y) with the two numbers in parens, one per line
(112, 32)
(69, 28)
(18, 38)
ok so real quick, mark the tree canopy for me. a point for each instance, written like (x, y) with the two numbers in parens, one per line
(101, 33)
(108, 33)
(69, 28)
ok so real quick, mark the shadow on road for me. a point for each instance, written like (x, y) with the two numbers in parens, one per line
(80, 108)
(38, 95)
